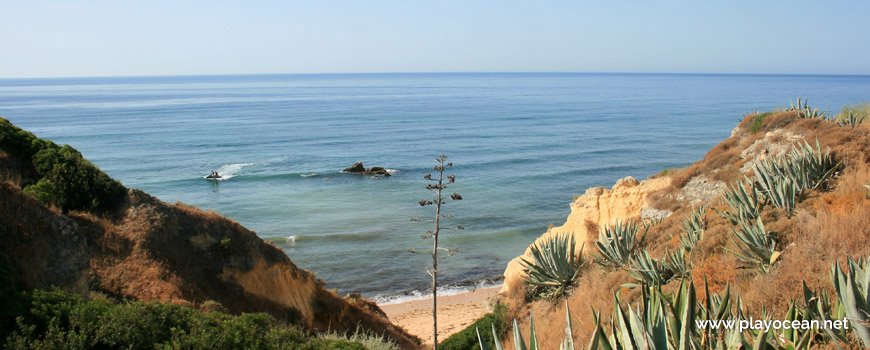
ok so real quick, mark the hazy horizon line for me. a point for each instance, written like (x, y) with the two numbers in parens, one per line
(420, 73)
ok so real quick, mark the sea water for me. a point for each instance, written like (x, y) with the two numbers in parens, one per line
(522, 146)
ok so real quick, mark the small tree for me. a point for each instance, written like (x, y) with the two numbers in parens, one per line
(438, 187)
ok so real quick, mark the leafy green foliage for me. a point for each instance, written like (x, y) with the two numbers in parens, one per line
(555, 267)
(617, 244)
(71, 182)
(468, 337)
(65, 178)
(56, 317)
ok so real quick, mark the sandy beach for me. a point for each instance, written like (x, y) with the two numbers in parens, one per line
(455, 312)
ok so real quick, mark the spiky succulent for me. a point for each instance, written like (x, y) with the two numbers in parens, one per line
(783, 180)
(853, 293)
(520, 344)
(555, 266)
(850, 119)
(744, 201)
(756, 247)
(693, 227)
(649, 271)
(804, 110)
(617, 244)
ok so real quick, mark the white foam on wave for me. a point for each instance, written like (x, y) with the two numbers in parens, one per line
(309, 175)
(398, 298)
(392, 171)
(229, 171)
(291, 240)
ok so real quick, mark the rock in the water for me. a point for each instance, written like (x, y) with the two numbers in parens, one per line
(377, 170)
(356, 168)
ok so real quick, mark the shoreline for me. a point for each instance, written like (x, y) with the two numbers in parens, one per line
(455, 312)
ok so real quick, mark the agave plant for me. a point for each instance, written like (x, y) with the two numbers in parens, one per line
(692, 230)
(810, 167)
(617, 244)
(780, 190)
(649, 271)
(819, 307)
(745, 204)
(676, 263)
(805, 111)
(783, 180)
(756, 246)
(853, 294)
(519, 344)
(555, 266)
(850, 119)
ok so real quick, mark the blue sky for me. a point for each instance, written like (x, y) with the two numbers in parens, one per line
(111, 38)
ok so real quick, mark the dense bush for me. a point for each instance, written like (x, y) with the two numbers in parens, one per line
(65, 178)
(467, 338)
(56, 319)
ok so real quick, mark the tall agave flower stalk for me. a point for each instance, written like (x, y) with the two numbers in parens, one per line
(617, 244)
(438, 186)
(555, 266)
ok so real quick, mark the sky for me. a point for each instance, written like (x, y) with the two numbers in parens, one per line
(40, 38)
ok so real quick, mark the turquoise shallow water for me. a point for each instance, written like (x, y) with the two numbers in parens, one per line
(522, 145)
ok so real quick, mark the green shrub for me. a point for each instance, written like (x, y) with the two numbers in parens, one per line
(65, 178)
(57, 319)
(467, 338)
(758, 121)
(69, 181)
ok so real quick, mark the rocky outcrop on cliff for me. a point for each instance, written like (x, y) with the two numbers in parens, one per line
(598, 207)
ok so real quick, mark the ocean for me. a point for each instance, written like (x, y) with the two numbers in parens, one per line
(522, 146)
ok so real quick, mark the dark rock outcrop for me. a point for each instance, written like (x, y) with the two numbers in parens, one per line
(358, 168)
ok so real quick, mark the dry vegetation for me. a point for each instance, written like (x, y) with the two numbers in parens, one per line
(826, 226)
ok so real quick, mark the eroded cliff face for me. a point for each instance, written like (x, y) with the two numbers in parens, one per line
(151, 250)
(598, 207)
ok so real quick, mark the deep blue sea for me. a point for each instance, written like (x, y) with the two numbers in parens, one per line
(522, 146)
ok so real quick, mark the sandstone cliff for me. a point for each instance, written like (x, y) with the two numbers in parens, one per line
(598, 207)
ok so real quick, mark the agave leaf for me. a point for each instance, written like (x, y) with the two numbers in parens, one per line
(495, 338)
(568, 340)
(533, 337)
(480, 340)
(519, 344)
